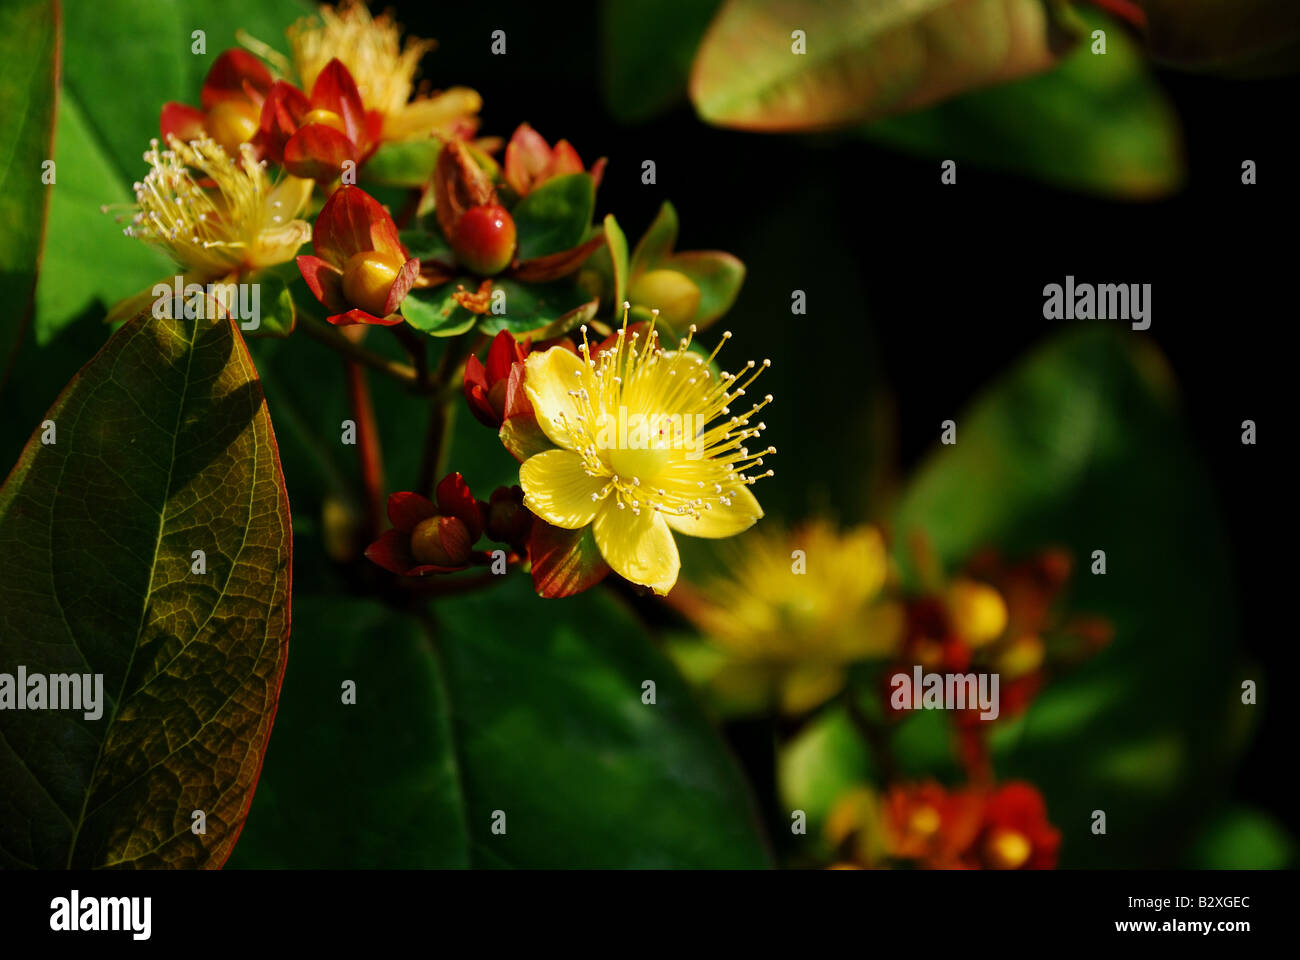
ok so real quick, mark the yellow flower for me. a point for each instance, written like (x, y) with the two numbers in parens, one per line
(647, 446)
(384, 71)
(244, 224)
(791, 612)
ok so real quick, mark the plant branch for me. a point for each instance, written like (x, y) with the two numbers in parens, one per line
(445, 388)
(369, 453)
(334, 338)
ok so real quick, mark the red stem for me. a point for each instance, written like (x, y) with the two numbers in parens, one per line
(369, 454)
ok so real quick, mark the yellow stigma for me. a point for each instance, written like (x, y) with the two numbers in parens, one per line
(978, 612)
(367, 278)
(232, 122)
(1007, 849)
(241, 224)
(925, 821)
(680, 450)
(368, 46)
(328, 117)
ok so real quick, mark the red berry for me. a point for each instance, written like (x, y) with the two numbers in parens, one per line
(485, 239)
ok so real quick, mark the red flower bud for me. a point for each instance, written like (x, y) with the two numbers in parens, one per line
(484, 239)
(442, 541)
(508, 520)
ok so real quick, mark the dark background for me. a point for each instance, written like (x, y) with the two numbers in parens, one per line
(936, 289)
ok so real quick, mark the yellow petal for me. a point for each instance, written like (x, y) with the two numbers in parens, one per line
(557, 489)
(549, 378)
(721, 521)
(638, 546)
(436, 114)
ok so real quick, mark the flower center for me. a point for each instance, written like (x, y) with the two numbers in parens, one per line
(1008, 849)
(367, 278)
(231, 123)
(641, 453)
(925, 821)
(327, 117)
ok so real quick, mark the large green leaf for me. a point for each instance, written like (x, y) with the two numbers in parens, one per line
(863, 59)
(161, 447)
(29, 66)
(1099, 123)
(1080, 446)
(513, 703)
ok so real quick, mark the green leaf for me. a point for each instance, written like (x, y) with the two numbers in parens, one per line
(160, 447)
(427, 245)
(278, 314)
(718, 276)
(864, 59)
(1095, 123)
(436, 312)
(616, 251)
(87, 262)
(29, 66)
(512, 704)
(543, 310)
(555, 216)
(1224, 35)
(657, 242)
(406, 164)
(646, 52)
(385, 766)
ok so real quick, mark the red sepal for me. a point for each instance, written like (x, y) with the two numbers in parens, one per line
(182, 121)
(235, 75)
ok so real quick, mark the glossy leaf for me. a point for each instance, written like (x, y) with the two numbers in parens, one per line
(515, 704)
(542, 310)
(555, 216)
(1095, 123)
(436, 312)
(405, 164)
(29, 67)
(864, 59)
(718, 276)
(162, 447)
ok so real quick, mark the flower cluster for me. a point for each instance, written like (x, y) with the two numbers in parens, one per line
(925, 825)
(483, 246)
(796, 621)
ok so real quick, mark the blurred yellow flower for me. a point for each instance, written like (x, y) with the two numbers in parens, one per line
(792, 611)
(384, 71)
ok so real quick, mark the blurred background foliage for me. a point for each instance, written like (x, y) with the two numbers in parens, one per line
(924, 303)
